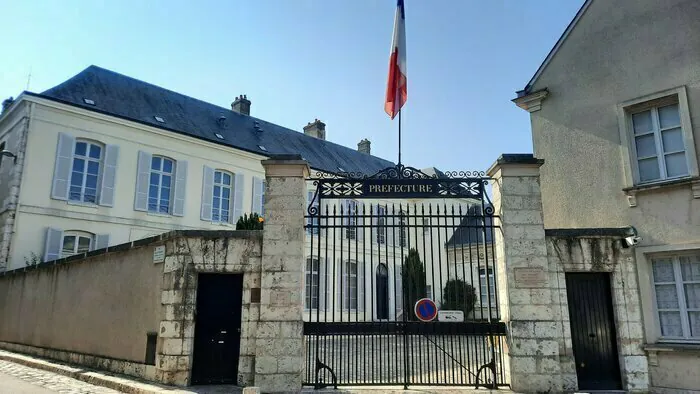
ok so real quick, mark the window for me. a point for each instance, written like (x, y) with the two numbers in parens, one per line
(350, 285)
(381, 224)
(351, 219)
(483, 283)
(403, 241)
(87, 160)
(75, 242)
(658, 140)
(221, 198)
(2, 148)
(159, 190)
(311, 299)
(677, 295)
(159, 119)
(658, 136)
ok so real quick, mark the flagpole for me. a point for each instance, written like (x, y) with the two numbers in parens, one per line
(399, 137)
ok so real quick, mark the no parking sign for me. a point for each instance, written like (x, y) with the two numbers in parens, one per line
(425, 310)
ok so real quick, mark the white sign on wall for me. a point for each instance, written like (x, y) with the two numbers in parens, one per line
(451, 316)
(159, 254)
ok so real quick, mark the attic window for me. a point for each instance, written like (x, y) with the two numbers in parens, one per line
(219, 136)
(262, 148)
(88, 101)
(159, 119)
(341, 169)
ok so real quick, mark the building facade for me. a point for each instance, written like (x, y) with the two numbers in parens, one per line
(613, 111)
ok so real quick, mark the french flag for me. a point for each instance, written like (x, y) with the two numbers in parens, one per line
(396, 92)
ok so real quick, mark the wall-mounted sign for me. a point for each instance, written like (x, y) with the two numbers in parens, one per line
(400, 188)
(159, 254)
(425, 309)
(529, 278)
(451, 316)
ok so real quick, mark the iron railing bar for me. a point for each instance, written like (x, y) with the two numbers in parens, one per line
(444, 361)
(455, 236)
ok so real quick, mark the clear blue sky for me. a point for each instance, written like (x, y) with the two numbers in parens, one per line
(303, 59)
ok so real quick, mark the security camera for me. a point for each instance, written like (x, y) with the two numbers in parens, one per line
(632, 240)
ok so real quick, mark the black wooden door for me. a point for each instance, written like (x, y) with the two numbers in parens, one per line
(217, 332)
(382, 291)
(593, 331)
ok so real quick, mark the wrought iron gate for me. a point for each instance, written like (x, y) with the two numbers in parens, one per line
(376, 245)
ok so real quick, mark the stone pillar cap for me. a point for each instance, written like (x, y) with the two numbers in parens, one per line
(286, 165)
(514, 160)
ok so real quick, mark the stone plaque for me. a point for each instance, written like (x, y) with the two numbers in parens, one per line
(530, 278)
(159, 254)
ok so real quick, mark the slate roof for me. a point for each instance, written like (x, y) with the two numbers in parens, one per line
(470, 229)
(128, 98)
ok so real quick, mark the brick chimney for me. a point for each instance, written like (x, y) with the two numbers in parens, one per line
(364, 146)
(241, 105)
(316, 129)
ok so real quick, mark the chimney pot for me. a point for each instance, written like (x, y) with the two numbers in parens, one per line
(241, 105)
(364, 146)
(317, 129)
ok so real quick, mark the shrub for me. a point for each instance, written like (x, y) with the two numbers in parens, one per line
(252, 222)
(459, 296)
(413, 282)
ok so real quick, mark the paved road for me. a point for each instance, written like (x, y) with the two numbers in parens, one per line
(18, 379)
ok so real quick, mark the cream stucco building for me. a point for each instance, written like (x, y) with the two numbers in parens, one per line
(103, 159)
(615, 112)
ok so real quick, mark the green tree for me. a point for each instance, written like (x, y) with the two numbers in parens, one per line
(413, 282)
(459, 296)
(252, 222)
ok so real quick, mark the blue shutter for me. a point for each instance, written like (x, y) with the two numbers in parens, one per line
(257, 195)
(109, 175)
(53, 243)
(63, 166)
(101, 241)
(180, 188)
(237, 198)
(143, 176)
(207, 193)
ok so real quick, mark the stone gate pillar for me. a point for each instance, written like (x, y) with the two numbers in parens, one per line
(279, 353)
(524, 283)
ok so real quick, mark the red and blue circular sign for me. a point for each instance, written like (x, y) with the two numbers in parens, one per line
(425, 310)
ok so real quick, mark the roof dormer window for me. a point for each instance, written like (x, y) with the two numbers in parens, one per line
(159, 119)
(88, 101)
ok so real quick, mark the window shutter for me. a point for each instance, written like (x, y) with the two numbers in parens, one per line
(399, 292)
(360, 287)
(340, 270)
(52, 246)
(63, 166)
(322, 287)
(143, 175)
(109, 175)
(345, 207)
(373, 229)
(237, 198)
(101, 241)
(207, 193)
(389, 228)
(180, 188)
(257, 195)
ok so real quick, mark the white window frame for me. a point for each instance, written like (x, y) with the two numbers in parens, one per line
(86, 159)
(680, 293)
(351, 229)
(349, 280)
(484, 283)
(309, 285)
(221, 185)
(160, 173)
(77, 235)
(381, 225)
(403, 229)
(630, 164)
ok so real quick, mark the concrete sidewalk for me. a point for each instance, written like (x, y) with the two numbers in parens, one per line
(128, 384)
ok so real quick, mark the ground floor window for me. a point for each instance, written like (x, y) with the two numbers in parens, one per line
(677, 295)
(75, 242)
(487, 286)
(311, 299)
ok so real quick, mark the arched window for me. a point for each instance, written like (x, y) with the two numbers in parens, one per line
(75, 242)
(160, 186)
(382, 290)
(221, 197)
(87, 163)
